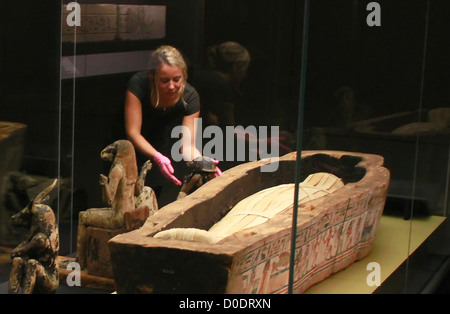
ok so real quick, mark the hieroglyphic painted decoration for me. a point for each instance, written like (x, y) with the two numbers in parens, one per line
(322, 246)
(107, 22)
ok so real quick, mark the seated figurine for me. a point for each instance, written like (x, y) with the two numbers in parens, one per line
(123, 190)
(201, 170)
(34, 261)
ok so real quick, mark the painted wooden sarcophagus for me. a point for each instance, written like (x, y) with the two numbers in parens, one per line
(195, 245)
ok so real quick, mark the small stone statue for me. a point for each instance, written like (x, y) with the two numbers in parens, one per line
(124, 191)
(201, 170)
(35, 260)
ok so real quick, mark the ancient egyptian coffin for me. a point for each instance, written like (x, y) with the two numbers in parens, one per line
(333, 231)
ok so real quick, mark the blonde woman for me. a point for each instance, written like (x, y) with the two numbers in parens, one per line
(156, 101)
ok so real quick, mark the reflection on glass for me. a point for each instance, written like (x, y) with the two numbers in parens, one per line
(375, 84)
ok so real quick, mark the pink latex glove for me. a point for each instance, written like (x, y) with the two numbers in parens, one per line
(218, 171)
(165, 166)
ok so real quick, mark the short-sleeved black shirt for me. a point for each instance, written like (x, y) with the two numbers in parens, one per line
(157, 124)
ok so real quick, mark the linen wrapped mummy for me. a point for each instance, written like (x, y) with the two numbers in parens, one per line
(258, 208)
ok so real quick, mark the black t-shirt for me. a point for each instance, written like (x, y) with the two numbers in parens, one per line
(157, 124)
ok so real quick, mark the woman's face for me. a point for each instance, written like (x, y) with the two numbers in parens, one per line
(169, 82)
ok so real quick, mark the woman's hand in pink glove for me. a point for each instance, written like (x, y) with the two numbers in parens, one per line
(165, 166)
(218, 171)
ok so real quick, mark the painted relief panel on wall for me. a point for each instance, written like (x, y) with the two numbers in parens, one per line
(106, 22)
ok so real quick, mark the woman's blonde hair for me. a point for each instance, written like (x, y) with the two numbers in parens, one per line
(165, 55)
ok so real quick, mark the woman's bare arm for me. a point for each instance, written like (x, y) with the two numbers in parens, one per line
(188, 148)
(133, 125)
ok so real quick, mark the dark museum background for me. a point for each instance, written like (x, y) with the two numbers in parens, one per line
(402, 66)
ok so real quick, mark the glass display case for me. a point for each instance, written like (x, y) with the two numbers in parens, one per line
(322, 77)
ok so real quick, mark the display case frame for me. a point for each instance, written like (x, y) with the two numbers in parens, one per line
(321, 71)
